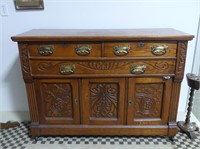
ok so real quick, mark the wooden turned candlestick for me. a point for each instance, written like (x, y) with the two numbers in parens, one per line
(187, 127)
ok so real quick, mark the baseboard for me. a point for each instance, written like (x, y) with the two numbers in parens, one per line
(14, 116)
(23, 116)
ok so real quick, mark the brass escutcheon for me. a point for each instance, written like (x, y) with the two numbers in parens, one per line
(130, 102)
(76, 101)
(140, 44)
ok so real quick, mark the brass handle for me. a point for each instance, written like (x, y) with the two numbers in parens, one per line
(67, 69)
(159, 49)
(83, 50)
(138, 69)
(46, 50)
(121, 50)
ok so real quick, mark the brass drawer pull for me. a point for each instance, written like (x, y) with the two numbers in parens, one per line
(46, 50)
(159, 50)
(67, 69)
(83, 50)
(138, 69)
(121, 50)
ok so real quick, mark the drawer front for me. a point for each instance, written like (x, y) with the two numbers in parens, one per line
(65, 50)
(107, 67)
(141, 49)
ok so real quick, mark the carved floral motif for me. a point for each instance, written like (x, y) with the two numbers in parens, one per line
(57, 99)
(104, 100)
(148, 100)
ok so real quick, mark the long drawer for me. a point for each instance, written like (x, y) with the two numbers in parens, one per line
(106, 67)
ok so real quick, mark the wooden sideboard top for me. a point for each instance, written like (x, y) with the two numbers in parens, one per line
(101, 34)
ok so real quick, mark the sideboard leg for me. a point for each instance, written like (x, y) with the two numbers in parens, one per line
(35, 138)
(171, 139)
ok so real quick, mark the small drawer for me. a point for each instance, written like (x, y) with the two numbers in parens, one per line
(140, 49)
(106, 67)
(65, 50)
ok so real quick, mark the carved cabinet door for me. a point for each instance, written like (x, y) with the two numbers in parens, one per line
(148, 101)
(58, 101)
(103, 101)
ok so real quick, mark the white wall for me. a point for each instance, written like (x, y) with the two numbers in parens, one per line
(1, 59)
(196, 60)
(180, 14)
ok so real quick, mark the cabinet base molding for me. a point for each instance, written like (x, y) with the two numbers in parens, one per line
(109, 130)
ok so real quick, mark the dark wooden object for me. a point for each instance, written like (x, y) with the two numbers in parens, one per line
(103, 82)
(9, 124)
(187, 127)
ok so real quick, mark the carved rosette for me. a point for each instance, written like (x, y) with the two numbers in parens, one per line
(104, 100)
(57, 99)
(148, 100)
(182, 50)
(24, 49)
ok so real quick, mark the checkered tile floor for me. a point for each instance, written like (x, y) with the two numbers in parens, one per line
(18, 138)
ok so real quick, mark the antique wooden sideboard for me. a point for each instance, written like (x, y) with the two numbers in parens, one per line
(103, 82)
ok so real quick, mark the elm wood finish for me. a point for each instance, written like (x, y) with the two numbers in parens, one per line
(103, 82)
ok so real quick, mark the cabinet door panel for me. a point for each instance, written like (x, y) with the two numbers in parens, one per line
(148, 101)
(58, 101)
(103, 101)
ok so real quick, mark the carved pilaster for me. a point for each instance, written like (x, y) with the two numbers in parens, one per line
(32, 102)
(23, 52)
(179, 72)
(181, 56)
(174, 108)
(174, 101)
